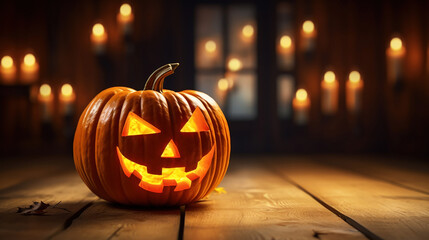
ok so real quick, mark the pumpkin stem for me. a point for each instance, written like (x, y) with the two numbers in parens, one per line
(156, 79)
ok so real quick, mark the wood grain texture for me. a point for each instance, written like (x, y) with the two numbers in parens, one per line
(103, 220)
(65, 186)
(260, 205)
(18, 170)
(385, 209)
(408, 173)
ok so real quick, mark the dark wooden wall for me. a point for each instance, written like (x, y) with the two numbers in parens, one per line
(351, 35)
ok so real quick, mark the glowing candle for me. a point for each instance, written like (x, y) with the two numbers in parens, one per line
(308, 34)
(354, 88)
(395, 55)
(329, 93)
(46, 98)
(222, 91)
(301, 107)
(234, 64)
(247, 33)
(8, 70)
(125, 18)
(286, 49)
(29, 69)
(98, 37)
(210, 46)
(67, 98)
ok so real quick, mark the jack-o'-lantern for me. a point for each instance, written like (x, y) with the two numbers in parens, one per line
(152, 147)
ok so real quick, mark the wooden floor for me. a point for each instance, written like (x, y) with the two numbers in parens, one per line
(290, 197)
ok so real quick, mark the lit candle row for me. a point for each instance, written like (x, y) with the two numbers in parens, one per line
(329, 101)
(67, 98)
(125, 18)
(29, 69)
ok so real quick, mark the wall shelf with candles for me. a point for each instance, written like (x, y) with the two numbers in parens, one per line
(251, 56)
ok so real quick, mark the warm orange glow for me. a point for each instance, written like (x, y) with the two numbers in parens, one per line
(234, 64)
(170, 151)
(169, 177)
(354, 76)
(308, 27)
(210, 46)
(285, 41)
(45, 90)
(396, 44)
(135, 125)
(98, 30)
(196, 123)
(67, 90)
(125, 10)
(222, 84)
(7, 62)
(301, 94)
(29, 59)
(248, 31)
(329, 77)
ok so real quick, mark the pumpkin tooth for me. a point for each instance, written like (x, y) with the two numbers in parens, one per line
(156, 188)
(183, 184)
(128, 166)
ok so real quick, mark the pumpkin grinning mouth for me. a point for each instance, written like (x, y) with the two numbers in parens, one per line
(170, 176)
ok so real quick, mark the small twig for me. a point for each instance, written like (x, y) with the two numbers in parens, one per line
(65, 209)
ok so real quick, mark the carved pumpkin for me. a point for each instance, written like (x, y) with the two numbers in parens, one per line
(152, 147)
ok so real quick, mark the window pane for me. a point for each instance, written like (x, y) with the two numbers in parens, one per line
(208, 84)
(285, 91)
(241, 103)
(208, 37)
(242, 34)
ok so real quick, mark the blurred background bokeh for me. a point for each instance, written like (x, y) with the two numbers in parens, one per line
(303, 76)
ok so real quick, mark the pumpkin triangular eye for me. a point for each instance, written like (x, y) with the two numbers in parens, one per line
(197, 123)
(135, 125)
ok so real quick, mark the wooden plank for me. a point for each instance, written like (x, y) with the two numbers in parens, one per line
(260, 205)
(65, 186)
(104, 220)
(15, 171)
(408, 173)
(382, 209)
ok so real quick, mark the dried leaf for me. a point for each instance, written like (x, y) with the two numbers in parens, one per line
(220, 190)
(37, 208)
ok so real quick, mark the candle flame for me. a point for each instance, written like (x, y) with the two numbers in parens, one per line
(7, 62)
(234, 64)
(29, 59)
(98, 29)
(45, 90)
(248, 31)
(285, 41)
(329, 77)
(125, 10)
(301, 94)
(396, 43)
(66, 90)
(354, 76)
(210, 46)
(223, 84)
(308, 26)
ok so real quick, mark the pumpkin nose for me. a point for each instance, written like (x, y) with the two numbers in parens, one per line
(170, 151)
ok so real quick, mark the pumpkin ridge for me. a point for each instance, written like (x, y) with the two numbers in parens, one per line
(217, 123)
(200, 185)
(112, 140)
(209, 180)
(88, 136)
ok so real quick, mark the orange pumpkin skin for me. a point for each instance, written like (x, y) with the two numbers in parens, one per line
(99, 136)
